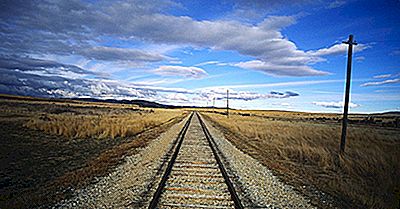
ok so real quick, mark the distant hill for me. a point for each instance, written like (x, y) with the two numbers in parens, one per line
(139, 102)
(149, 104)
(388, 113)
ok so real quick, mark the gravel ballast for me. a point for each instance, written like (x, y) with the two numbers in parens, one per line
(258, 187)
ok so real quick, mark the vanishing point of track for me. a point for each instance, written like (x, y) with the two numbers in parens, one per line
(195, 176)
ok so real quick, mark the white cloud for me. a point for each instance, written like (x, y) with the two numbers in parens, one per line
(334, 104)
(160, 81)
(297, 65)
(221, 93)
(24, 82)
(175, 62)
(277, 22)
(119, 54)
(248, 10)
(378, 83)
(382, 76)
(173, 70)
(208, 63)
(177, 97)
(359, 58)
(42, 29)
(291, 83)
(280, 69)
(337, 49)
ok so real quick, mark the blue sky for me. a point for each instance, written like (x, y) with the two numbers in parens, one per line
(285, 55)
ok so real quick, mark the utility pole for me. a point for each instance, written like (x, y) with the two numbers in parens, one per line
(227, 103)
(213, 102)
(350, 42)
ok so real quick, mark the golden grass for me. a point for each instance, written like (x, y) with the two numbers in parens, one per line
(366, 176)
(102, 125)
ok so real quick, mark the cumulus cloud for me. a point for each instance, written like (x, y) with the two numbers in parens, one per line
(25, 83)
(378, 83)
(221, 93)
(21, 83)
(277, 22)
(254, 9)
(280, 70)
(45, 78)
(334, 104)
(113, 54)
(55, 85)
(56, 27)
(81, 28)
(298, 65)
(172, 70)
(337, 49)
(176, 98)
(42, 67)
(285, 94)
(42, 78)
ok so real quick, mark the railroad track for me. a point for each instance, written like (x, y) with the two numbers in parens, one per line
(195, 176)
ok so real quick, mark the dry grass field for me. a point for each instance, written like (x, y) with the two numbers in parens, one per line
(99, 124)
(76, 119)
(305, 153)
(48, 148)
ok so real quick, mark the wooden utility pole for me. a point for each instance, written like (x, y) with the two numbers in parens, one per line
(213, 102)
(227, 103)
(347, 93)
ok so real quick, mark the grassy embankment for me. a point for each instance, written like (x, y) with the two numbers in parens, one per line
(306, 153)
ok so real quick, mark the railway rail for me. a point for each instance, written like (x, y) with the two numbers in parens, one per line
(195, 176)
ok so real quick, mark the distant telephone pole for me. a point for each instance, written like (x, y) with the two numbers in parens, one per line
(350, 42)
(213, 102)
(227, 103)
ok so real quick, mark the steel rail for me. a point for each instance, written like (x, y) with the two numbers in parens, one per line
(160, 188)
(157, 195)
(213, 145)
